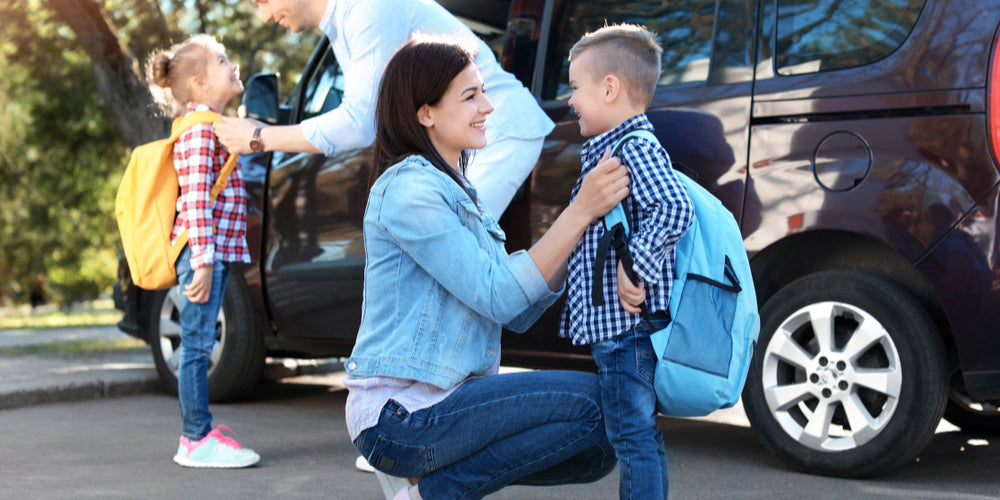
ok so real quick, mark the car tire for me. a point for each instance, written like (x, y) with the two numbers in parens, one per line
(861, 404)
(972, 416)
(237, 360)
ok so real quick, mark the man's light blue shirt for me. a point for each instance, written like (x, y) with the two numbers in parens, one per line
(366, 33)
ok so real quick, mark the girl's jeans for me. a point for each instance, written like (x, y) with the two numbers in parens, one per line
(532, 428)
(625, 368)
(198, 335)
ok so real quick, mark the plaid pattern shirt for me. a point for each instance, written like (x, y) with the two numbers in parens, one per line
(198, 159)
(659, 212)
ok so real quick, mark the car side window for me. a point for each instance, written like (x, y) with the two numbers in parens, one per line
(685, 30)
(824, 35)
(324, 88)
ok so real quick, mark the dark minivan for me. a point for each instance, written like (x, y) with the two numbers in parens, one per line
(856, 142)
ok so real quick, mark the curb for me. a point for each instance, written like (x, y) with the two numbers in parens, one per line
(39, 381)
(78, 392)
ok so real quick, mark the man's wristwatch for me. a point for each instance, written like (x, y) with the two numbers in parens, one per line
(256, 144)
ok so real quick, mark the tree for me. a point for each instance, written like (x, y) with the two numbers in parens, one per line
(125, 96)
(73, 104)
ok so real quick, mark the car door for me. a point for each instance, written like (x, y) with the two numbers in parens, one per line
(700, 111)
(314, 256)
(701, 108)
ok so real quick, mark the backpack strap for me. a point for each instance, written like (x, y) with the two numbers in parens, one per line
(182, 123)
(616, 233)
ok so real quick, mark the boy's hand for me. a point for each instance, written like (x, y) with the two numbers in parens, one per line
(201, 285)
(630, 296)
(603, 187)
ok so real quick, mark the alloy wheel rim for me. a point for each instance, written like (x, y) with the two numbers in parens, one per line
(170, 333)
(831, 376)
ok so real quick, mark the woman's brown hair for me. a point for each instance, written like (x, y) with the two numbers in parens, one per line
(418, 74)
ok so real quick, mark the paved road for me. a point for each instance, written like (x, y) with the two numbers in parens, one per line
(122, 448)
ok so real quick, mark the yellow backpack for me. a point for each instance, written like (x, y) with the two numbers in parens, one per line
(146, 206)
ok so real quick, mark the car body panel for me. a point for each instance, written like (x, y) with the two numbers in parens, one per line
(883, 167)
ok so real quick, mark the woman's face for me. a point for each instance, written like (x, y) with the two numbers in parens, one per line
(458, 121)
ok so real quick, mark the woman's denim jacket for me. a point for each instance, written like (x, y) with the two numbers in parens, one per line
(438, 282)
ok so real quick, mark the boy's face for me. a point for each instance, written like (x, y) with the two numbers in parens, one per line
(589, 95)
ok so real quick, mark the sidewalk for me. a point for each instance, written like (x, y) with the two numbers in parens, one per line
(32, 379)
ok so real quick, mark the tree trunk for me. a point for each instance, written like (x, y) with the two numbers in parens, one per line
(119, 85)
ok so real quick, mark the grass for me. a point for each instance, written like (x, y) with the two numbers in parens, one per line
(79, 347)
(96, 313)
(61, 320)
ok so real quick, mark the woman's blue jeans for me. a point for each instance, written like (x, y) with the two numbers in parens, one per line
(530, 428)
(198, 337)
(625, 368)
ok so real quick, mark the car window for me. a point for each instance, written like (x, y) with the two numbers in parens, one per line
(324, 87)
(823, 35)
(684, 28)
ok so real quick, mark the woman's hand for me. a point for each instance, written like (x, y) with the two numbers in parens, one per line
(602, 188)
(630, 296)
(201, 285)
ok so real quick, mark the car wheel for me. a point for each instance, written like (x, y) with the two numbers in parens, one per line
(849, 376)
(972, 416)
(237, 359)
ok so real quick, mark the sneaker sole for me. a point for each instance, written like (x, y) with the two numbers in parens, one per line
(184, 462)
(362, 465)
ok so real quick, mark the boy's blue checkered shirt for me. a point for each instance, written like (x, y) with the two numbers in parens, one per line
(659, 213)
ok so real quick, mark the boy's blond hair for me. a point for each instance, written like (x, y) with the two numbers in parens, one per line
(628, 51)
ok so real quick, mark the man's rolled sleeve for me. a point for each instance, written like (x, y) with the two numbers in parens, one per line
(349, 124)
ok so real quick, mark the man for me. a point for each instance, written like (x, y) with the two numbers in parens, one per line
(364, 34)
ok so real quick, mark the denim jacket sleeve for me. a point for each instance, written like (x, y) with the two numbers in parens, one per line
(523, 321)
(437, 225)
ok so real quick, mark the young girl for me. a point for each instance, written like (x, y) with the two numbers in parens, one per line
(425, 401)
(196, 75)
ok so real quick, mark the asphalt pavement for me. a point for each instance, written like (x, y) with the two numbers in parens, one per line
(711, 457)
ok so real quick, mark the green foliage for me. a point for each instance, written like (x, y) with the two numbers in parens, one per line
(76, 348)
(56, 164)
(62, 155)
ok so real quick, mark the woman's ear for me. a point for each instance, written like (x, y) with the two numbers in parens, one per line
(612, 87)
(424, 116)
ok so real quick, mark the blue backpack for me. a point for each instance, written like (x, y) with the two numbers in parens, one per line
(704, 352)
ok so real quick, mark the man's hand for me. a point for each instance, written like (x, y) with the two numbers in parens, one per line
(630, 296)
(235, 133)
(201, 285)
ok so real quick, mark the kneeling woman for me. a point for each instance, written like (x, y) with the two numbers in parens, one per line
(425, 401)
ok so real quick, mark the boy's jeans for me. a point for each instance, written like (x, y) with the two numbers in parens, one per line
(197, 340)
(625, 368)
(532, 428)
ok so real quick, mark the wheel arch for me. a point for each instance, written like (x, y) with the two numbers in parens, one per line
(810, 252)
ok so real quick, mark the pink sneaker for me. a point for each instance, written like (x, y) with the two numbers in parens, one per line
(216, 450)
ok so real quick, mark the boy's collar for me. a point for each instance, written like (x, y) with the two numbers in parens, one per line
(609, 138)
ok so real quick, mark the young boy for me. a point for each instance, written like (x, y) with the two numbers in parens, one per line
(613, 73)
